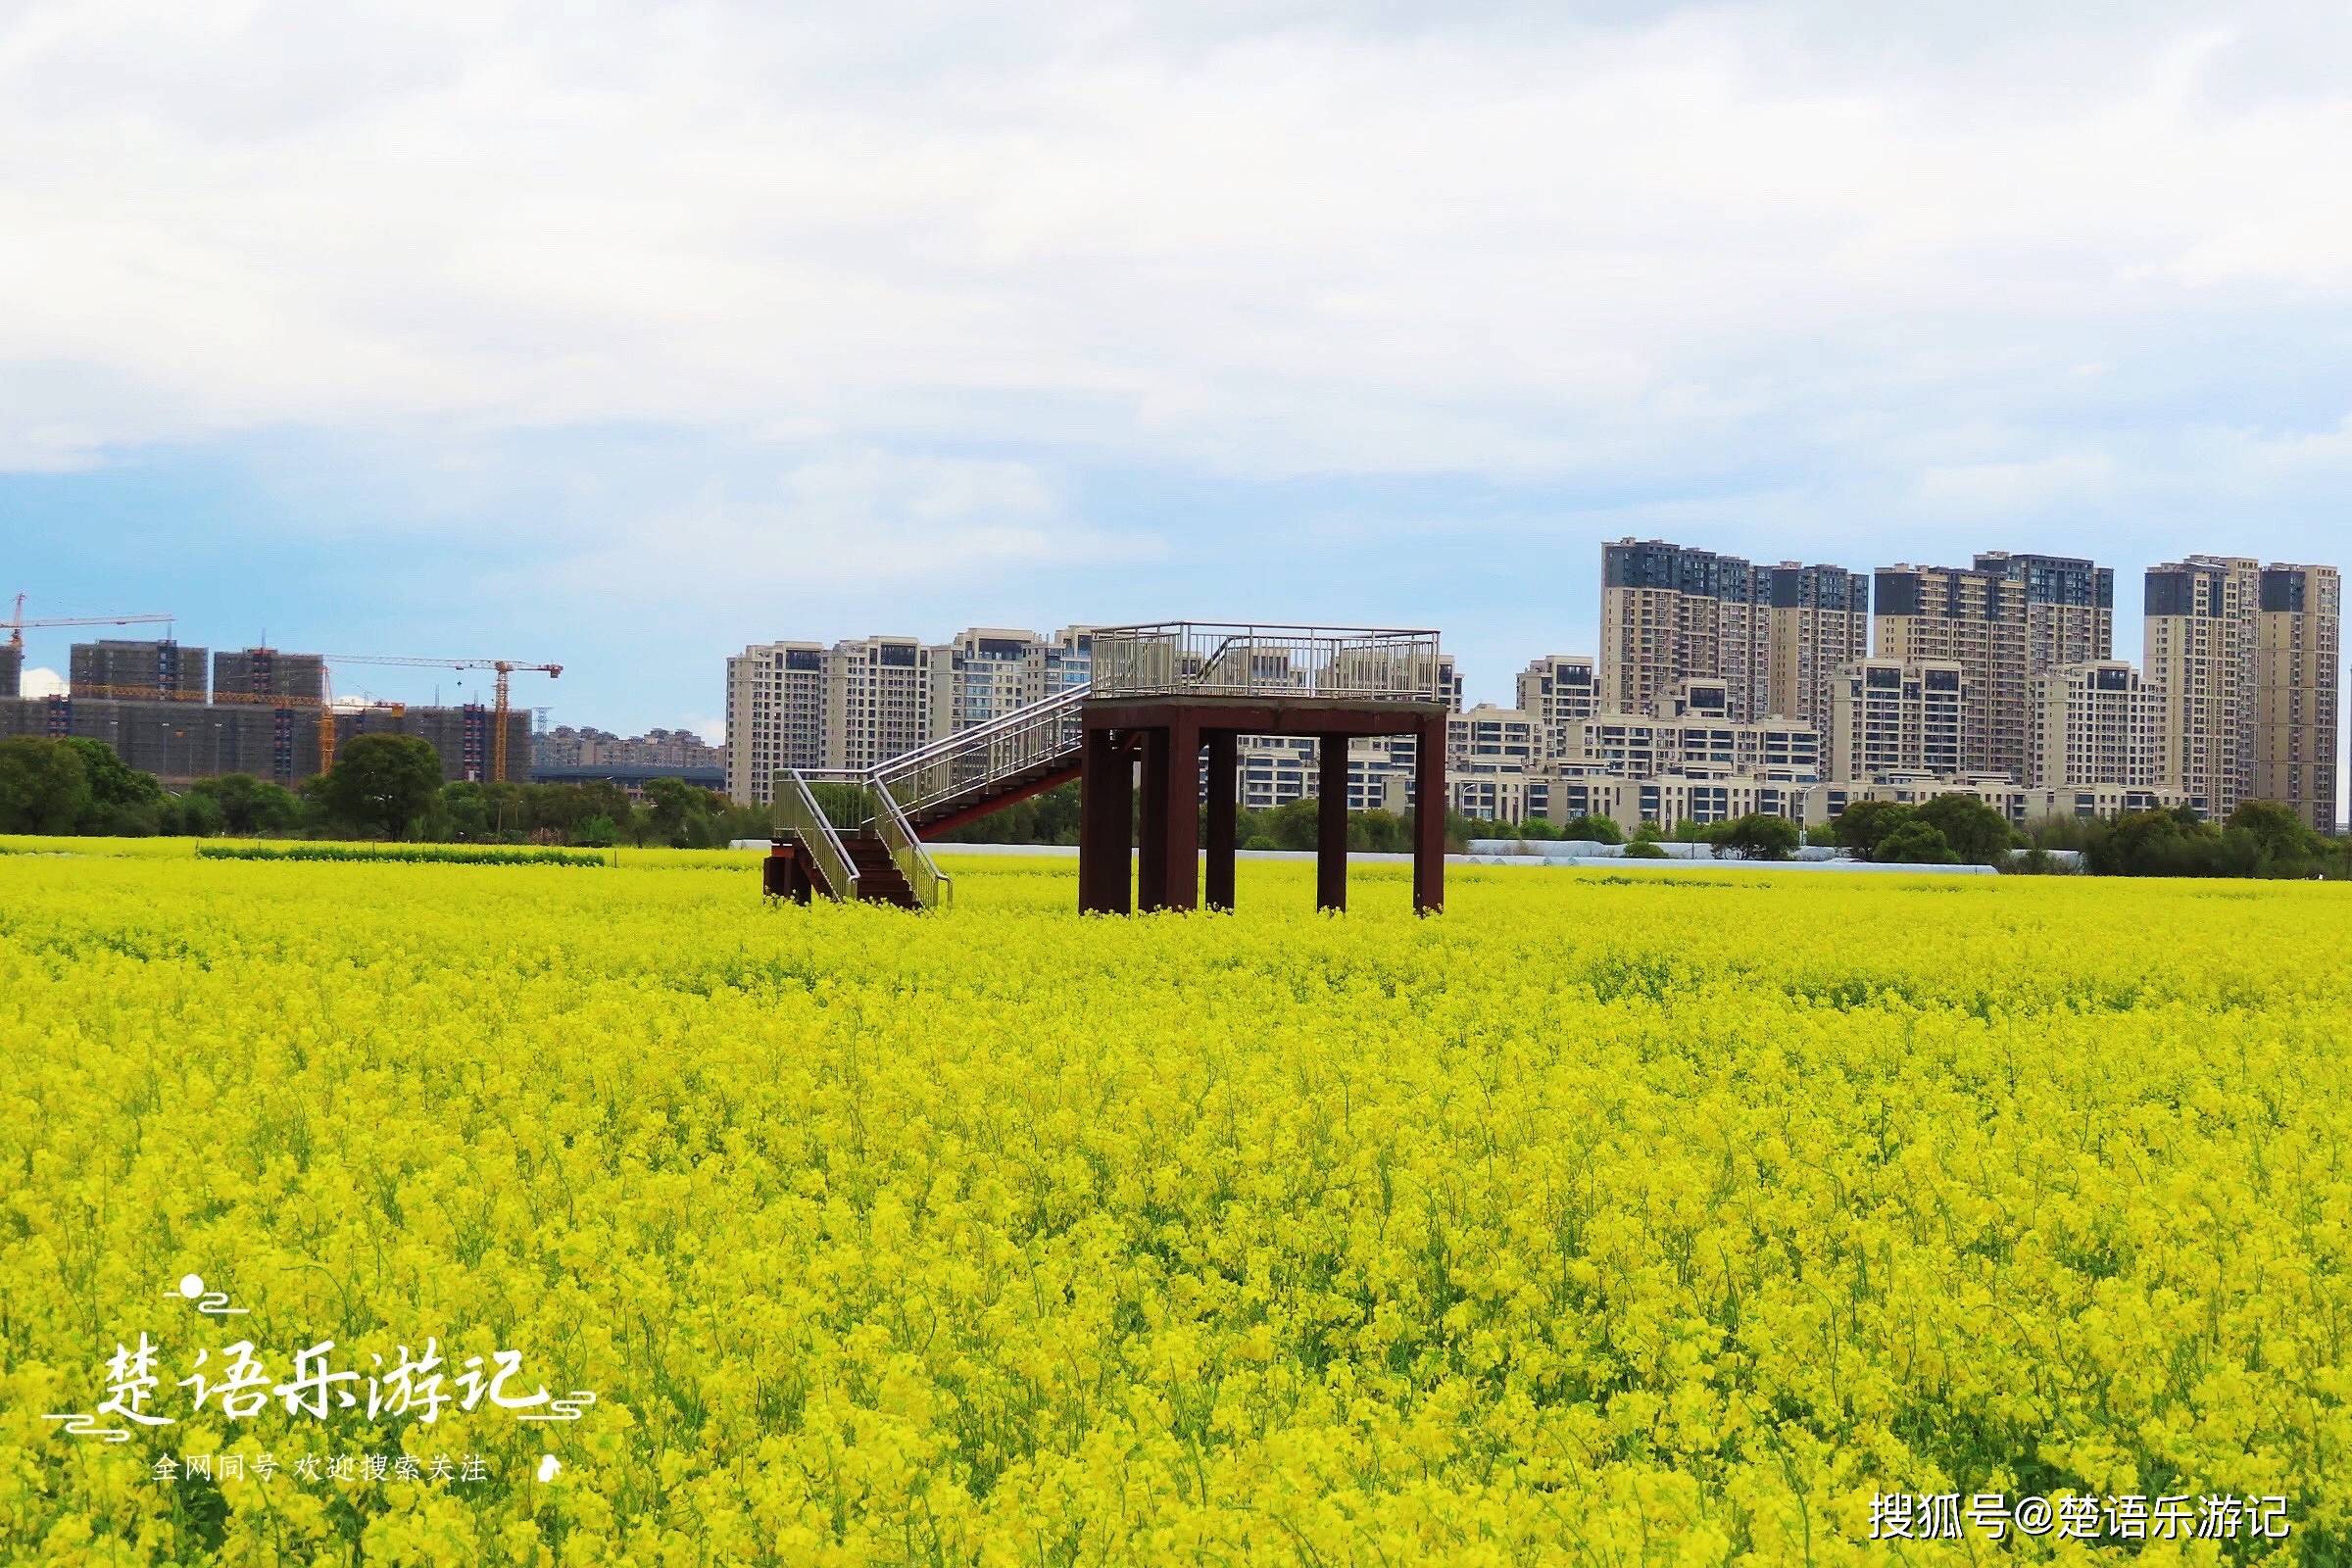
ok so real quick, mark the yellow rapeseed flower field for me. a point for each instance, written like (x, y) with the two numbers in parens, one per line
(1655, 1219)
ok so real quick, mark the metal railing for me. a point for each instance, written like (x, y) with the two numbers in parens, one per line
(798, 814)
(1191, 658)
(972, 761)
(860, 797)
(931, 886)
(969, 763)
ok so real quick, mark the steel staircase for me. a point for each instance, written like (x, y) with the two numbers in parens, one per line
(867, 847)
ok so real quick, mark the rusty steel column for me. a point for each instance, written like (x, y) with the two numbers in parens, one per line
(1331, 822)
(1224, 769)
(1429, 816)
(1182, 887)
(1106, 826)
(1152, 831)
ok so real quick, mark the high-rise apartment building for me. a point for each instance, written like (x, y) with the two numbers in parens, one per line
(1817, 622)
(2004, 621)
(2200, 633)
(2297, 658)
(775, 715)
(1669, 614)
(2095, 722)
(135, 669)
(1776, 636)
(986, 673)
(1558, 689)
(1899, 716)
(877, 700)
(1957, 616)
(982, 673)
(2068, 605)
(12, 672)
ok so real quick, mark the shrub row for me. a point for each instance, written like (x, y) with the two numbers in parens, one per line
(438, 854)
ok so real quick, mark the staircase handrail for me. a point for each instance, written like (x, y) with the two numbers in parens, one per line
(1005, 745)
(930, 886)
(1027, 715)
(798, 813)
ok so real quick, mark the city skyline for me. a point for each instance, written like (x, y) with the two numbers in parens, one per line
(1720, 681)
(591, 703)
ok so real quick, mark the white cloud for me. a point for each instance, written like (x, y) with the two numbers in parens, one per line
(41, 681)
(1311, 239)
(863, 519)
(2009, 489)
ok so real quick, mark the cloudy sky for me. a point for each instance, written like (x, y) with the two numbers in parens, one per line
(622, 336)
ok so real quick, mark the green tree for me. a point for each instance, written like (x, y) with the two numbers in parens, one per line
(122, 799)
(2288, 845)
(464, 813)
(199, 815)
(243, 805)
(2063, 832)
(1592, 829)
(670, 808)
(1758, 836)
(1977, 833)
(43, 788)
(381, 784)
(1916, 843)
(1864, 826)
(2163, 842)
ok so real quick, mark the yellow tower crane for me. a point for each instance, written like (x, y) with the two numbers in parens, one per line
(16, 624)
(504, 668)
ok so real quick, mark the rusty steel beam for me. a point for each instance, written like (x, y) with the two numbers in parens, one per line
(1152, 826)
(1429, 818)
(1255, 716)
(1224, 768)
(974, 811)
(1331, 824)
(1106, 825)
(1180, 849)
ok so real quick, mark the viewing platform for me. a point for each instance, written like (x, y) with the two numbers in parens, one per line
(1163, 712)
(1168, 697)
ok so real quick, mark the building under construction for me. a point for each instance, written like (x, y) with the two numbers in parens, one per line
(162, 670)
(12, 672)
(267, 672)
(148, 701)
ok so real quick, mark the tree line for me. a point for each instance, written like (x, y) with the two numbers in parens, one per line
(2260, 839)
(381, 786)
(390, 787)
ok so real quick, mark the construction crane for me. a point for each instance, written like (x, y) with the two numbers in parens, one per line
(326, 714)
(16, 623)
(504, 667)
